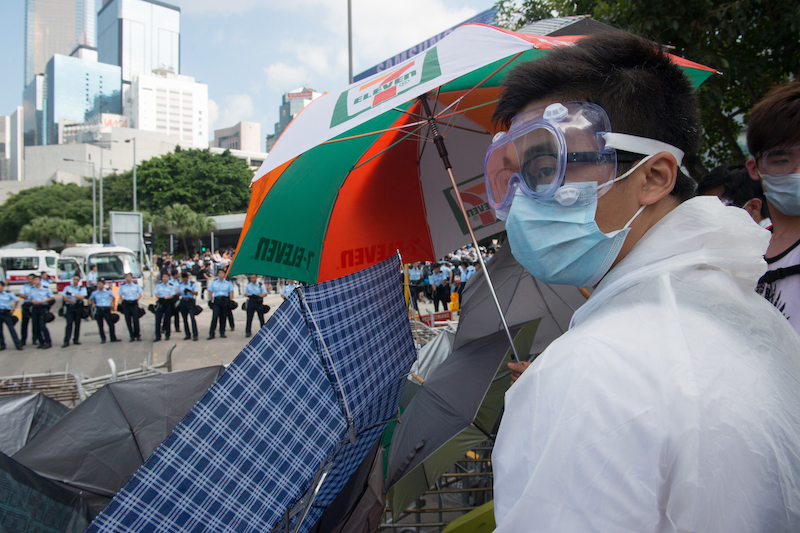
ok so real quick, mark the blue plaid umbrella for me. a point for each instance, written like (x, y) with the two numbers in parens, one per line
(279, 434)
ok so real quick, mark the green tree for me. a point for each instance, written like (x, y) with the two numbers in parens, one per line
(199, 226)
(54, 201)
(753, 43)
(68, 230)
(208, 183)
(177, 217)
(40, 230)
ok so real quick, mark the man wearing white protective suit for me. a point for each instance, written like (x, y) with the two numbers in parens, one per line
(673, 402)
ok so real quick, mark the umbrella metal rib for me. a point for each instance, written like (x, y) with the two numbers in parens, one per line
(439, 141)
(351, 428)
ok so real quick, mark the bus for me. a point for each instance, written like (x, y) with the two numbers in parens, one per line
(112, 262)
(20, 262)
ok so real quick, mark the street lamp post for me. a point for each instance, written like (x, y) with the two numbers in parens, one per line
(94, 205)
(134, 170)
(101, 196)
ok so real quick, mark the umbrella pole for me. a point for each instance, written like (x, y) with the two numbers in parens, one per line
(438, 140)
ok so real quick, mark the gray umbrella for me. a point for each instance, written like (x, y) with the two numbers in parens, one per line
(462, 399)
(95, 448)
(24, 416)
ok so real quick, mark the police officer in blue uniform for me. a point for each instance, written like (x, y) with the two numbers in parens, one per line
(255, 292)
(102, 300)
(166, 294)
(42, 299)
(26, 310)
(187, 290)
(220, 295)
(131, 293)
(175, 283)
(8, 302)
(73, 296)
(91, 280)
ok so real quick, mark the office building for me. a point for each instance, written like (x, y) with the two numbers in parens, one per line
(252, 159)
(33, 110)
(139, 36)
(55, 27)
(293, 103)
(245, 136)
(11, 147)
(171, 104)
(75, 89)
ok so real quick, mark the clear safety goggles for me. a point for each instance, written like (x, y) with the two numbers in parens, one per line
(779, 162)
(546, 147)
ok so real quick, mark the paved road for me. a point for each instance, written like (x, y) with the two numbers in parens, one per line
(90, 359)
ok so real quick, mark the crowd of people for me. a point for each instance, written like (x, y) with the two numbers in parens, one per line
(437, 281)
(176, 305)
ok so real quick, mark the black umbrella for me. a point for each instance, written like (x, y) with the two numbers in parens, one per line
(31, 503)
(96, 447)
(462, 399)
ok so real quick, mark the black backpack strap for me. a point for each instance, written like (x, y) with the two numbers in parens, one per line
(774, 275)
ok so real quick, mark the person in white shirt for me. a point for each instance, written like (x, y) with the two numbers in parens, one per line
(672, 402)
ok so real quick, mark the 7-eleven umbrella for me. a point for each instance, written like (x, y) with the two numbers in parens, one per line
(356, 176)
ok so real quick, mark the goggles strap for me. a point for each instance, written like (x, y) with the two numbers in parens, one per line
(608, 184)
(640, 145)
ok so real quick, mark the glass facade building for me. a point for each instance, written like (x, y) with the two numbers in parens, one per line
(76, 89)
(140, 36)
(33, 111)
(55, 27)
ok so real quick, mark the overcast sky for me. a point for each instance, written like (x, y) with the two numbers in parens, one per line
(250, 52)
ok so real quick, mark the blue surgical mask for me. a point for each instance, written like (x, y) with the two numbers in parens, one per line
(558, 241)
(783, 192)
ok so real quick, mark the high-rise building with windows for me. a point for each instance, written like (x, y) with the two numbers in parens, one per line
(245, 136)
(33, 111)
(139, 36)
(55, 27)
(171, 104)
(75, 89)
(293, 103)
(11, 149)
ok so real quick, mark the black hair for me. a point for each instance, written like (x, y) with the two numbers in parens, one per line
(737, 185)
(641, 89)
(774, 121)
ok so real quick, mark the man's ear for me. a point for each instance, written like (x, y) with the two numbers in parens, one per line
(753, 206)
(752, 169)
(660, 174)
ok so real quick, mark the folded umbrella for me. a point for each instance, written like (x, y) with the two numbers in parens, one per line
(275, 439)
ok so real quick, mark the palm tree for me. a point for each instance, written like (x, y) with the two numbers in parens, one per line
(40, 230)
(177, 216)
(199, 226)
(68, 230)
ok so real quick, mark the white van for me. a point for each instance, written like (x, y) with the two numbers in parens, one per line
(113, 262)
(20, 262)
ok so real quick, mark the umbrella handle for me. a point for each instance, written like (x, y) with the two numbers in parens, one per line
(438, 140)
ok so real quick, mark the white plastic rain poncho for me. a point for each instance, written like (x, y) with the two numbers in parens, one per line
(672, 404)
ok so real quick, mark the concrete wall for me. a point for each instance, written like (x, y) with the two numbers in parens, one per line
(110, 154)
